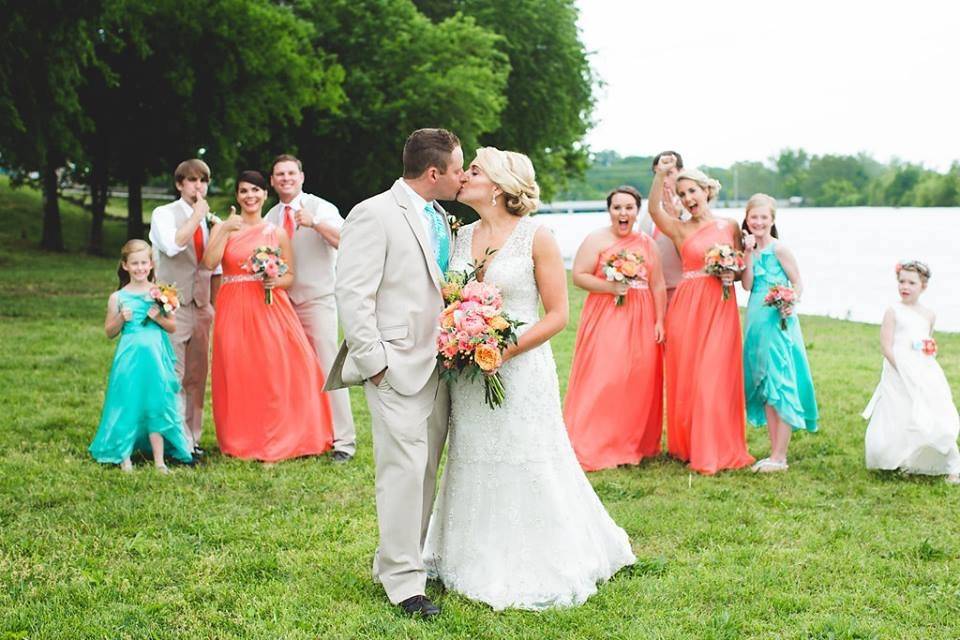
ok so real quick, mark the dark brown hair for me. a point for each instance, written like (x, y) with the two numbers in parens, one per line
(252, 177)
(286, 157)
(627, 189)
(427, 148)
(656, 159)
(193, 168)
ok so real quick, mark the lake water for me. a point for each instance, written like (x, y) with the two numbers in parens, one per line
(846, 255)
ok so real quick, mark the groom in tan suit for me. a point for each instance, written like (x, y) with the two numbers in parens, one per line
(313, 225)
(394, 248)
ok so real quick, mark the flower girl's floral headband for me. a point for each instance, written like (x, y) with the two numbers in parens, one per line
(915, 265)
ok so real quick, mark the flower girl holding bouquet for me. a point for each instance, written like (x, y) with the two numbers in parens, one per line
(141, 410)
(777, 382)
(913, 421)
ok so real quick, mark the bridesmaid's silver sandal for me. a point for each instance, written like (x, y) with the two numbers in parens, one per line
(162, 468)
(769, 466)
(126, 466)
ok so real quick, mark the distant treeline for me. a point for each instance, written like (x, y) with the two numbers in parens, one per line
(821, 181)
(115, 93)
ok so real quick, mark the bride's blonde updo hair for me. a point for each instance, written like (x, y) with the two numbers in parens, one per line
(513, 173)
(708, 184)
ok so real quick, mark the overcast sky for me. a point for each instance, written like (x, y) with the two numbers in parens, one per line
(721, 81)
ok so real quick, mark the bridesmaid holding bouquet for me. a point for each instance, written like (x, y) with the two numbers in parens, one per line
(704, 366)
(614, 404)
(779, 387)
(268, 402)
(140, 411)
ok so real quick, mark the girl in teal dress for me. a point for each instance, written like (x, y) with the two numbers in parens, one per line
(141, 407)
(778, 385)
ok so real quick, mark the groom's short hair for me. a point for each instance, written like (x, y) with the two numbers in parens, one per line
(427, 148)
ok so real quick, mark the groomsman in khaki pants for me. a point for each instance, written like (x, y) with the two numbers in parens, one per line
(395, 248)
(313, 225)
(179, 232)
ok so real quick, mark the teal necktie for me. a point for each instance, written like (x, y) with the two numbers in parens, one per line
(440, 233)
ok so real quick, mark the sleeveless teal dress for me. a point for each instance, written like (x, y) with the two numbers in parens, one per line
(142, 391)
(775, 366)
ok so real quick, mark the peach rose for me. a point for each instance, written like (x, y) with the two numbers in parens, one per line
(629, 269)
(498, 323)
(446, 319)
(487, 358)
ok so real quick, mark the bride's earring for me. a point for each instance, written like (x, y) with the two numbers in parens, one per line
(493, 200)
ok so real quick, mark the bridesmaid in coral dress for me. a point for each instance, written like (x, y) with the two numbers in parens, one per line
(614, 404)
(268, 402)
(704, 361)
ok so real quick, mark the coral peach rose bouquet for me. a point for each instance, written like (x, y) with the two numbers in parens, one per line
(165, 296)
(266, 263)
(474, 331)
(720, 259)
(783, 297)
(625, 266)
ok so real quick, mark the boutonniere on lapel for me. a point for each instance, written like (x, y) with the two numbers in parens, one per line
(454, 222)
(212, 219)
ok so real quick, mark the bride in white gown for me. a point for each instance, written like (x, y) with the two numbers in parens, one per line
(516, 524)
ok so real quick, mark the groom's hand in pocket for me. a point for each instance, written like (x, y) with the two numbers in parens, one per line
(376, 379)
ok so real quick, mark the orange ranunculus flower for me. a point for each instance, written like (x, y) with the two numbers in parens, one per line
(487, 358)
(447, 321)
(629, 269)
(498, 323)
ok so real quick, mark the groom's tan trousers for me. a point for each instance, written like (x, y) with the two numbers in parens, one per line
(408, 437)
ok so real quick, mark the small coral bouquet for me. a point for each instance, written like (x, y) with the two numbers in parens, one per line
(165, 296)
(720, 259)
(927, 346)
(783, 297)
(474, 331)
(266, 263)
(627, 267)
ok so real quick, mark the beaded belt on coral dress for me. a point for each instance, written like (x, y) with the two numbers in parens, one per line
(245, 277)
(688, 275)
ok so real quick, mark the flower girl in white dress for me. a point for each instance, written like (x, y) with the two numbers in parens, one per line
(913, 421)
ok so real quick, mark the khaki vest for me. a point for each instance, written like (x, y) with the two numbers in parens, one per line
(192, 280)
(315, 261)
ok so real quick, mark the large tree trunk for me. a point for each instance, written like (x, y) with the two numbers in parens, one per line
(135, 204)
(99, 189)
(52, 235)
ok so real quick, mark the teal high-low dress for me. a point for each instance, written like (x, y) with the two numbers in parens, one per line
(142, 391)
(775, 366)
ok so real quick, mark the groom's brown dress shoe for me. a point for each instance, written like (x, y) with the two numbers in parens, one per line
(420, 605)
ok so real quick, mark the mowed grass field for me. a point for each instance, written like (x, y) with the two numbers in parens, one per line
(233, 549)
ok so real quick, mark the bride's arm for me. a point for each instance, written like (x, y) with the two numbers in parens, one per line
(552, 283)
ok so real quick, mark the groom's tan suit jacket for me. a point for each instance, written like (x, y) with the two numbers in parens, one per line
(388, 295)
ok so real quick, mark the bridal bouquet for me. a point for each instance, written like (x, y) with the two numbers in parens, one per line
(266, 263)
(474, 331)
(627, 267)
(720, 259)
(165, 296)
(783, 297)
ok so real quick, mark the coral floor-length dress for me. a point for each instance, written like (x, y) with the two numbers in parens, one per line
(268, 402)
(614, 404)
(704, 363)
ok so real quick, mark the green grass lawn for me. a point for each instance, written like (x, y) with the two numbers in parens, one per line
(234, 549)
